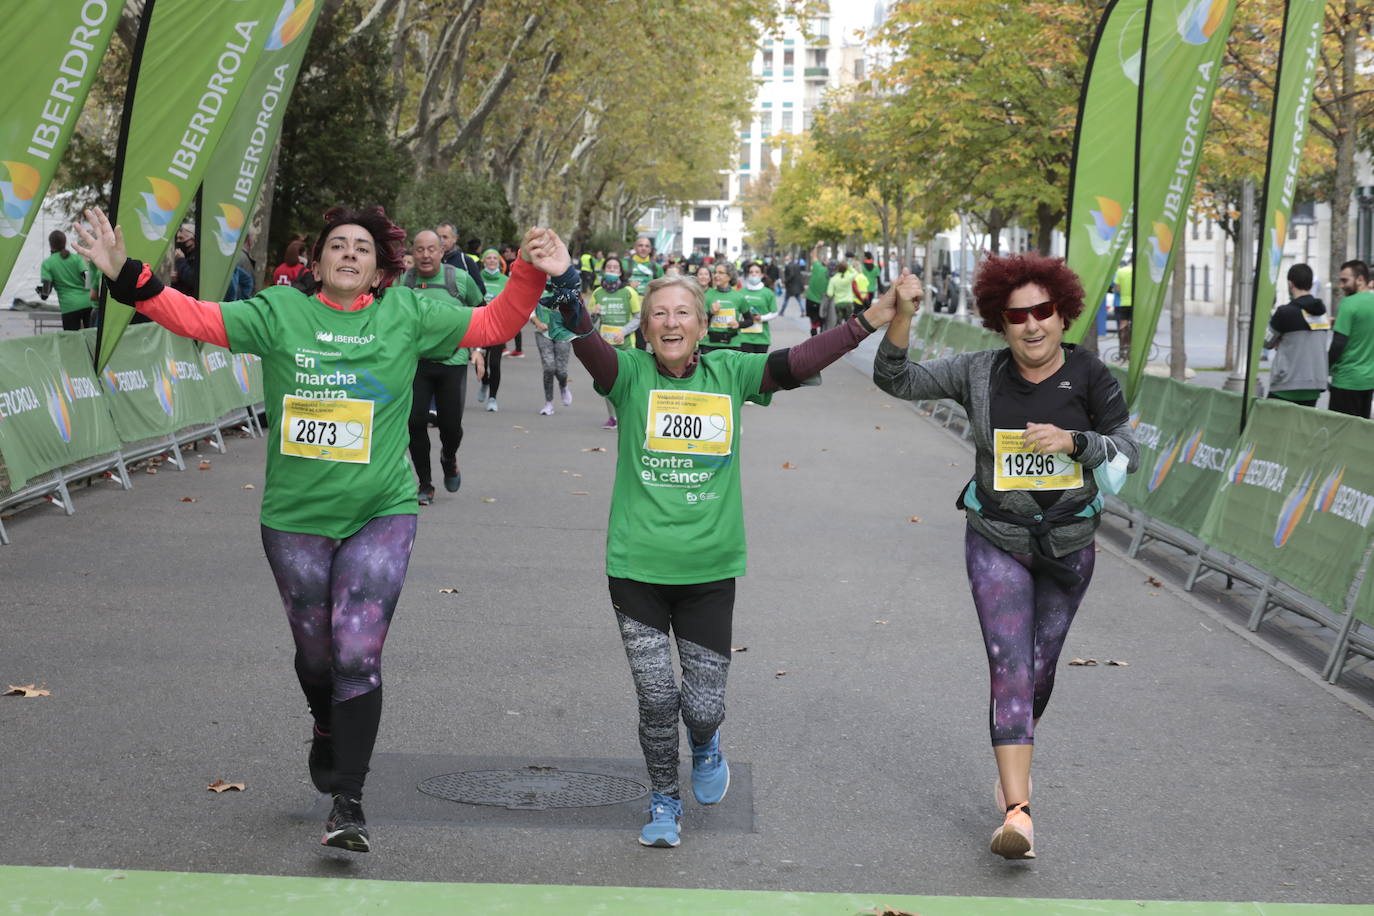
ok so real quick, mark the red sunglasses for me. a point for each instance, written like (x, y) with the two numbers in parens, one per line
(1041, 310)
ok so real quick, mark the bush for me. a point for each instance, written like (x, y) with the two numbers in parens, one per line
(476, 206)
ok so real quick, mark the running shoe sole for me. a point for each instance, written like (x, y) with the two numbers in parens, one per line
(660, 842)
(1010, 843)
(353, 839)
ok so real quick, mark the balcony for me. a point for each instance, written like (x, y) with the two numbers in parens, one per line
(816, 73)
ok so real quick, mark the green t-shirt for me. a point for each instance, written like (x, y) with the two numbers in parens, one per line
(436, 288)
(757, 302)
(727, 305)
(841, 287)
(494, 281)
(816, 285)
(1124, 286)
(871, 276)
(641, 272)
(1299, 394)
(677, 514)
(68, 278)
(617, 310)
(337, 391)
(1355, 319)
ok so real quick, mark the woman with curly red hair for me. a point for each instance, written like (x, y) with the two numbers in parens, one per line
(338, 508)
(1050, 429)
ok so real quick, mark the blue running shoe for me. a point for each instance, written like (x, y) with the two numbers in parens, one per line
(664, 814)
(710, 771)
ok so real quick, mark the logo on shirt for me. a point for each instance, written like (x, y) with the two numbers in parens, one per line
(331, 337)
(1066, 385)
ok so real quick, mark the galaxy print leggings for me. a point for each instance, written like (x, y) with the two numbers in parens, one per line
(339, 597)
(700, 618)
(554, 356)
(1025, 619)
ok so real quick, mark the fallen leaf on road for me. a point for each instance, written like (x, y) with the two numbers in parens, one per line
(885, 406)
(885, 910)
(577, 475)
(205, 465)
(915, 518)
(28, 690)
(788, 466)
(151, 471)
(190, 499)
(594, 448)
(448, 591)
(219, 785)
(881, 622)
(1083, 662)
(488, 499)
(779, 674)
(877, 427)
(517, 427)
(1153, 581)
(580, 493)
(1118, 663)
(249, 486)
(740, 649)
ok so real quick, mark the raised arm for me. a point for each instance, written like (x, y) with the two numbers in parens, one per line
(542, 254)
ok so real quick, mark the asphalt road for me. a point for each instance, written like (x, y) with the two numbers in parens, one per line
(1206, 769)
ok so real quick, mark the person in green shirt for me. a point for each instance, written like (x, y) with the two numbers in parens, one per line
(675, 541)
(338, 508)
(723, 305)
(816, 286)
(616, 308)
(495, 273)
(66, 273)
(1125, 290)
(442, 382)
(760, 307)
(840, 292)
(1352, 344)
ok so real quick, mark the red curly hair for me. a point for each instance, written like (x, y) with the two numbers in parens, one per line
(998, 278)
(388, 237)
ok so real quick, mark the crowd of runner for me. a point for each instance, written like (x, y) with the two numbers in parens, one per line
(366, 342)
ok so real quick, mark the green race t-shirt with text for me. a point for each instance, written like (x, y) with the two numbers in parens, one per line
(337, 388)
(722, 307)
(757, 302)
(68, 278)
(677, 513)
(617, 310)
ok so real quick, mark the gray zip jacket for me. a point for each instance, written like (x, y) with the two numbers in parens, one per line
(966, 378)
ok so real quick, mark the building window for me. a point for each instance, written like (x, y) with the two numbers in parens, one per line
(701, 214)
(743, 159)
(788, 74)
(1208, 229)
(859, 69)
(1207, 282)
(768, 59)
(789, 58)
(787, 122)
(808, 118)
(1192, 273)
(701, 245)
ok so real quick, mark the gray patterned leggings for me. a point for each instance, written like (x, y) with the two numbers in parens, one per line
(700, 618)
(554, 355)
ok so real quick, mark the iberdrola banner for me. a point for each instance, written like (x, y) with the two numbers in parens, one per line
(49, 55)
(1102, 189)
(197, 61)
(238, 166)
(1299, 56)
(1184, 40)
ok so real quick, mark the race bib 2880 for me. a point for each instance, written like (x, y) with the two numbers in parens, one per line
(689, 423)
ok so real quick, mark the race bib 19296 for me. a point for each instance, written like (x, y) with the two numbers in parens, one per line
(689, 423)
(336, 430)
(1018, 468)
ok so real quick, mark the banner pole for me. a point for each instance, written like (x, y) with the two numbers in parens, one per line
(1078, 126)
(1131, 377)
(121, 148)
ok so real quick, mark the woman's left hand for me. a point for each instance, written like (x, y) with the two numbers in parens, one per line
(1048, 439)
(545, 250)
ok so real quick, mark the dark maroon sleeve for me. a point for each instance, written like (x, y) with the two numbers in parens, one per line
(598, 356)
(812, 355)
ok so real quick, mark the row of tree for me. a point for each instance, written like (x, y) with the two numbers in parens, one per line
(974, 116)
(576, 113)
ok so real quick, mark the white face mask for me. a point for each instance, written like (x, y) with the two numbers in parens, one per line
(753, 282)
(1111, 475)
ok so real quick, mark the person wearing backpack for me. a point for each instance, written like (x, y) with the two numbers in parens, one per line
(443, 381)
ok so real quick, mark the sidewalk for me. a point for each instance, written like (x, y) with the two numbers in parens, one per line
(1206, 770)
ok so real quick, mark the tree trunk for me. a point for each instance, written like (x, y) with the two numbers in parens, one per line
(1345, 162)
(1233, 306)
(1046, 218)
(1178, 355)
(262, 220)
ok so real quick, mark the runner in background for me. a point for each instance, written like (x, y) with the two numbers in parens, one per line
(760, 304)
(723, 306)
(816, 285)
(66, 274)
(490, 372)
(338, 508)
(616, 308)
(675, 542)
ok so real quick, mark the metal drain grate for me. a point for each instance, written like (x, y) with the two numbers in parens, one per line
(534, 788)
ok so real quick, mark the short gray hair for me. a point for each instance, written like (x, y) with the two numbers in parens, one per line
(688, 283)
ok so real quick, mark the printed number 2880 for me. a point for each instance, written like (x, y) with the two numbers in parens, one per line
(679, 426)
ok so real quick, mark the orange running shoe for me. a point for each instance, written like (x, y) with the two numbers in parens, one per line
(1015, 839)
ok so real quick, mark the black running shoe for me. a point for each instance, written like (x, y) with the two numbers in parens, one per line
(346, 827)
(425, 494)
(322, 761)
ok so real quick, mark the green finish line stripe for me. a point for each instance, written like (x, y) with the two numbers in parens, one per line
(32, 890)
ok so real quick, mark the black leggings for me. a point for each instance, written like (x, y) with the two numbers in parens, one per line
(813, 311)
(448, 386)
(700, 617)
(1350, 401)
(493, 378)
(81, 318)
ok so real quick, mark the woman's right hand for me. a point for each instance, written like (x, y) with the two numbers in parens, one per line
(102, 244)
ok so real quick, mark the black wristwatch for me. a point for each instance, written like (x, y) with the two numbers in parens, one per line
(1080, 444)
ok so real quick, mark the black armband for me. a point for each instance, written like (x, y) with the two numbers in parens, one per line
(863, 323)
(125, 288)
(781, 370)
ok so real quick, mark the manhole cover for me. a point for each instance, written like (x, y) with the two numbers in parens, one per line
(534, 788)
